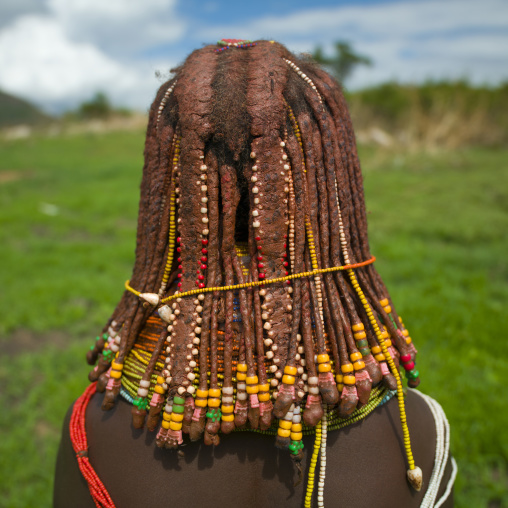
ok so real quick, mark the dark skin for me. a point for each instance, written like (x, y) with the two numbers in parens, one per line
(366, 465)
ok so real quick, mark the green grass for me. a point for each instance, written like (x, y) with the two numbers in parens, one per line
(438, 227)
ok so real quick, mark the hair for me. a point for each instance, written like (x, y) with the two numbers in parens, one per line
(251, 174)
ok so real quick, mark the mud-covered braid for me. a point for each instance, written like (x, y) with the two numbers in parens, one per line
(252, 147)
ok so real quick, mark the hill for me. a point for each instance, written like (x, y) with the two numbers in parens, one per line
(16, 111)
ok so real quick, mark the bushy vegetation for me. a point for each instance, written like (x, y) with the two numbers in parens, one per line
(16, 111)
(434, 114)
(437, 225)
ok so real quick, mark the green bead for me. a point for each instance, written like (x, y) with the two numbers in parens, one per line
(412, 374)
(92, 348)
(104, 336)
(362, 343)
(178, 400)
(178, 409)
(141, 402)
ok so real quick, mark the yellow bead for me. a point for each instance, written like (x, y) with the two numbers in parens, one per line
(340, 387)
(358, 327)
(380, 357)
(213, 402)
(252, 380)
(227, 409)
(251, 389)
(214, 392)
(409, 340)
(384, 302)
(355, 356)
(324, 358)
(176, 417)
(376, 350)
(166, 416)
(159, 389)
(285, 424)
(297, 427)
(283, 432)
(339, 378)
(388, 309)
(165, 424)
(349, 380)
(201, 402)
(116, 374)
(388, 342)
(405, 333)
(202, 393)
(324, 367)
(346, 367)
(264, 397)
(359, 365)
(228, 418)
(288, 380)
(288, 369)
(241, 376)
(360, 335)
(175, 425)
(116, 366)
(296, 436)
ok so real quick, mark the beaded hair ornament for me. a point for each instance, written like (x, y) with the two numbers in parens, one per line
(254, 302)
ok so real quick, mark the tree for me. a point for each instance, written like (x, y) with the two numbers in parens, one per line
(98, 107)
(342, 64)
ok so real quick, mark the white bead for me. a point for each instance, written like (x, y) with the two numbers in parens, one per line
(267, 326)
(204, 220)
(201, 297)
(205, 232)
(269, 355)
(181, 390)
(165, 313)
(255, 190)
(169, 408)
(274, 382)
(191, 376)
(204, 210)
(204, 200)
(253, 155)
(255, 213)
(195, 341)
(144, 384)
(241, 386)
(227, 400)
(204, 188)
(151, 298)
(241, 396)
(278, 374)
(254, 178)
(191, 389)
(256, 224)
(142, 392)
(314, 390)
(264, 316)
(227, 390)
(268, 342)
(262, 292)
(192, 364)
(272, 368)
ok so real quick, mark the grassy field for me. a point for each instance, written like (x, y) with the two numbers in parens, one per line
(438, 226)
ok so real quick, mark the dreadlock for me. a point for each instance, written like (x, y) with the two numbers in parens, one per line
(251, 174)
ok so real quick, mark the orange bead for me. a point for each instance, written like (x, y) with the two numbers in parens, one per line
(355, 356)
(376, 350)
(288, 380)
(213, 402)
(358, 327)
(360, 335)
(285, 424)
(251, 389)
(349, 380)
(324, 367)
(159, 389)
(228, 418)
(252, 380)
(384, 302)
(346, 367)
(214, 392)
(359, 365)
(263, 397)
(288, 369)
(241, 367)
(380, 357)
(323, 358)
(116, 374)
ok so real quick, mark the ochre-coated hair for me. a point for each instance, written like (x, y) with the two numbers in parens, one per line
(250, 155)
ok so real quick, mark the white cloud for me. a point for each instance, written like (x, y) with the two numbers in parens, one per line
(40, 63)
(406, 40)
(119, 27)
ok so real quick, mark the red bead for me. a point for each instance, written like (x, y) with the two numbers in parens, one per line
(179, 239)
(203, 267)
(198, 271)
(285, 236)
(179, 284)
(287, 273)
(261, 265)
(204, 259)
(204, 251)
(285, 245)
(409, 365)
(261, 275)
(201, 277)
(178, 249)
(180, 267)
(288, 282)
(260, 258)
(204, 242)
(286, 263)
(179, 260)
(201, 286)
(179, 275)
(405, 358)
(259, 247)
(257, 238)
(285, 255)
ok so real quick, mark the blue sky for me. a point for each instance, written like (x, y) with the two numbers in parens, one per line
(57, 53)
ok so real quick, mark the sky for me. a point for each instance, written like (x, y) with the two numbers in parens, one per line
(58, 53)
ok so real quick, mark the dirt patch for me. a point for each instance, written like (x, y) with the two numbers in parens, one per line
(13, 176)
(24, 341)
